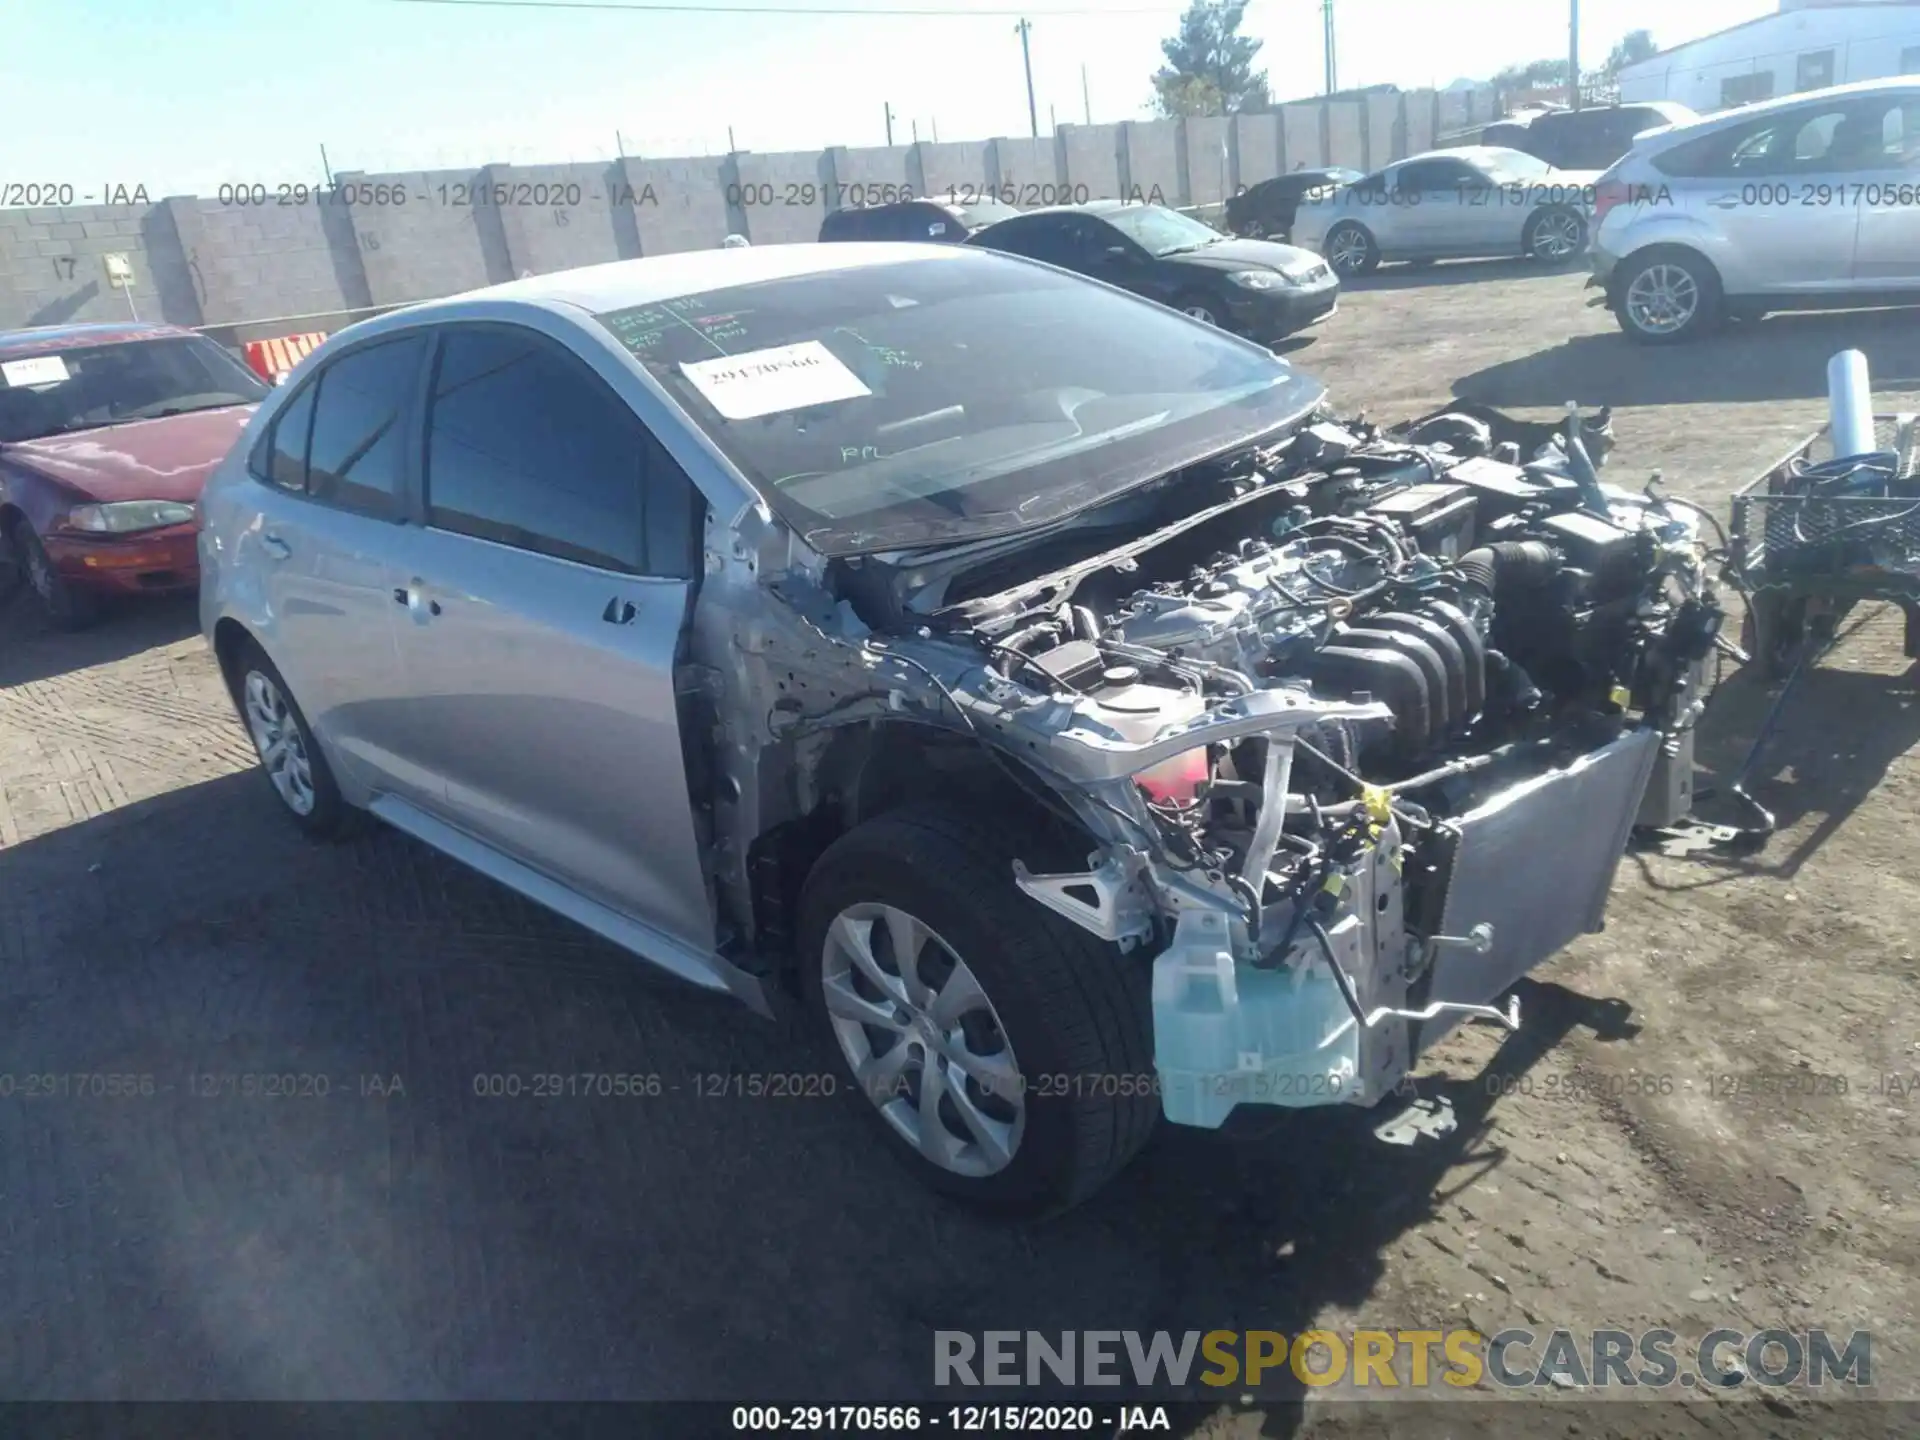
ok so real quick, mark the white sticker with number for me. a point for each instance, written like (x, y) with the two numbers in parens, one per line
(768, 382)
(40, 370)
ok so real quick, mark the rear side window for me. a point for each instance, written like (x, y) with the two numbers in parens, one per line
(354, 453)
(527, 447)
(284, 462)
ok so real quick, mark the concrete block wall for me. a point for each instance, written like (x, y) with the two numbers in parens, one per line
(245, 260)
(784, 196)
(1026, 171)
(1091, 160)
(1346, 139)
(1208, 178)
(384, 240)
(868, 174)
(560, 217)
(52, 269)
(1152, 149)
(678, 204)
(962, 165)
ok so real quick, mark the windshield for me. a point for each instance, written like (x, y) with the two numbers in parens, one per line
(85, 387)
(1511, 164)
(1160, 231)
(926, 401)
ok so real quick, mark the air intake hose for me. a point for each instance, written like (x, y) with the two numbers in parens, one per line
(1523, 562)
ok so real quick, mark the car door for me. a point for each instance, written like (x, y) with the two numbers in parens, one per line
(542, 618)
(331, 538)
(1886, 194)
(1769, 190)
(1434, 209)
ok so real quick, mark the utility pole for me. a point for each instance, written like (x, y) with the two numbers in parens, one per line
(889, 109)
(1573, 57)
(1026, 58)
(620, 144)
(1333, 72)
(1086, 98)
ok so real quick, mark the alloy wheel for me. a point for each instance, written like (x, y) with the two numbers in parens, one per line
(1201, 313)
(282, 745)
(923, 1040)
(1556, 237)
(40, 573)
(1663, 299)
(1348, 250)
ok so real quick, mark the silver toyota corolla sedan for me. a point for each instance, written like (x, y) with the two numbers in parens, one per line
(1474, 201)
(1041, 682)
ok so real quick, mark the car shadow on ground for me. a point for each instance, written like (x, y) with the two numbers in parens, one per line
(442, 1245)
(31, 649)
(1420, 276)
(1837, 737)
(1783, 357)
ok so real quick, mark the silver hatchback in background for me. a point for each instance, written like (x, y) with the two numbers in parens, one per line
(1477, 201)
(1808, 201)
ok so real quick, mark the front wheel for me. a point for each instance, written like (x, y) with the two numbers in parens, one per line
(1556, 235)
(1006, 1054)
(1668, 296)
(67, 606)
(1351, 250)
(1201, 309)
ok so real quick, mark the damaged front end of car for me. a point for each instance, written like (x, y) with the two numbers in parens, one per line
(1355, 725)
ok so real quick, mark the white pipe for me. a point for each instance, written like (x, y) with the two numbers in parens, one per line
(1850, 405)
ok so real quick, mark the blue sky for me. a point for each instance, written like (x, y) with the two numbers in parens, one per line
(183, 95)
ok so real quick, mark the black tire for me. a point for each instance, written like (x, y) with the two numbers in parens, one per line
(1536, 228)
(331, 817)
(1709, 306)
(13, 566)
(1073, 1009)
(66, 606)
(1188, 304)
(1368, 259)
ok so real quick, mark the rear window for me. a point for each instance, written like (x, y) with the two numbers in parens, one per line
(962, 395)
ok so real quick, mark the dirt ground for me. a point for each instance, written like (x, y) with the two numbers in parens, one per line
(1631, 1158)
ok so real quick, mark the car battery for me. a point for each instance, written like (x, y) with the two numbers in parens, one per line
(1438, 515)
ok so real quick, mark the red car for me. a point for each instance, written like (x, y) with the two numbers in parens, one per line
(107, 433)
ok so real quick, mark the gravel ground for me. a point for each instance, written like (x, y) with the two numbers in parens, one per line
(400, 1237)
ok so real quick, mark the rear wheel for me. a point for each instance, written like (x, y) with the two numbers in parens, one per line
(1667, 296)
(292, 761)
(1006, 1054)
(1351, 250)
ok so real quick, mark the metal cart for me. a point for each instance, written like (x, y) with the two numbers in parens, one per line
(1806, 560)
(1803, 560)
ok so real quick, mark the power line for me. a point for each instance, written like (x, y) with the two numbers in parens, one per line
(650, 7)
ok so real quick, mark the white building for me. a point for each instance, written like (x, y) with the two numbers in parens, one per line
(1808, 45)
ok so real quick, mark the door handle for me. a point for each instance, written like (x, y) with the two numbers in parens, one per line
(619, 611)
(275, 546)
(411, 597)
(1726, 202)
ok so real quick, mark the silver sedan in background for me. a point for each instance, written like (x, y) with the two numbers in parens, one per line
(1474, 201)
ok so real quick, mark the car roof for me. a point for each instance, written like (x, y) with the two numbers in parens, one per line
(67, 337)
(1481, 153)
(652, 279)
(1740, 114)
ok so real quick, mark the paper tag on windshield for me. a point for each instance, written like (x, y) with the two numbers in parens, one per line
(40, 370)
(767, 382)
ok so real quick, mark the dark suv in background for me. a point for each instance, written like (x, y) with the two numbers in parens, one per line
(1589, 139)
(939, 221)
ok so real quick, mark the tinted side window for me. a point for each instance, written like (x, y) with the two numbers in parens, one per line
(354, 458)
(527, 447)
(284, 457)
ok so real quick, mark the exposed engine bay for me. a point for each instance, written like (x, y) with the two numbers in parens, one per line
(1360, 723)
